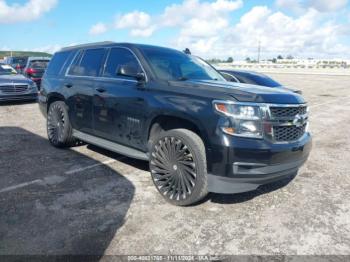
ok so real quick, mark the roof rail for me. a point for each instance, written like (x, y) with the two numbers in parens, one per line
(87, 45)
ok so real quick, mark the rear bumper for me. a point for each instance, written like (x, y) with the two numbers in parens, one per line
(246, 167)
(17, 97)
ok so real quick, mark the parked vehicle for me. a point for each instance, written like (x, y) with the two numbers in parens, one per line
(17, 62)
(199, 132)
(253, 78)
(35, 68)
(14, 86)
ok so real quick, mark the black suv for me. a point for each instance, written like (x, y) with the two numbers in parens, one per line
(199, 132)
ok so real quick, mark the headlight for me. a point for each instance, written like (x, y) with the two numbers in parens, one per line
(33, 86)
(244, 120)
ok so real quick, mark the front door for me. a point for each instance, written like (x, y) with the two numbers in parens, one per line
(119, 105)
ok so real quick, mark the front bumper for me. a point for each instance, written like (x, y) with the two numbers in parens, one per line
(19, 97)
(244, 164)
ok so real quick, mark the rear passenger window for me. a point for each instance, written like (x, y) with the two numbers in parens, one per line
(120, 57)
(90, 63)
(57, 63)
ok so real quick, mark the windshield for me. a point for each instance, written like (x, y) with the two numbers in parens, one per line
(7, 70)
(39, 64)
(169, 64)
(257, 79)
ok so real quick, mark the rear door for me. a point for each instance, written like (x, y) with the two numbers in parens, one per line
(80, 81)
(119, 106)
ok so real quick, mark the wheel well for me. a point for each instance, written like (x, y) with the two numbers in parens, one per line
(52, 99)
(165, 123)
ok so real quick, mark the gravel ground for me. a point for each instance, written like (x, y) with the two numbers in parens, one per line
(89, 201)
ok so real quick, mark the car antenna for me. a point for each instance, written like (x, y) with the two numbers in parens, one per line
(187, 51)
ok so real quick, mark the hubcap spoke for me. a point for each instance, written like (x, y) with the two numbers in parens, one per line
(55, 124)
(173, 168)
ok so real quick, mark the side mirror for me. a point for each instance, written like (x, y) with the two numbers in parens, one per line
(130, 71)
(140, 77)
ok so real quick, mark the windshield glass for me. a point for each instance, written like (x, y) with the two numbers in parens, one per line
(38, 64)
(257, 79)
(7, 70)
(170, 64)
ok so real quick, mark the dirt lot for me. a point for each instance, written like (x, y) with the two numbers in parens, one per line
(89, 201)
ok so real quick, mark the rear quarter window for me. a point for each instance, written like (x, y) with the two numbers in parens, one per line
(57, 62)
(89, 64)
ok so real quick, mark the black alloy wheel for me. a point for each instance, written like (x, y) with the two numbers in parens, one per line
(59, 130)
(177, 167)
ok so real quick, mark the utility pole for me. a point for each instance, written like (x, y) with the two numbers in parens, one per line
(259, 51)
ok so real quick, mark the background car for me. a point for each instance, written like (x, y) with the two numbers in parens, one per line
(14, 86)
(35, 68)
(253, 78)
(17, 62)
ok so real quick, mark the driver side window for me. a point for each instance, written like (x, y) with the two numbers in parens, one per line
(117, 59)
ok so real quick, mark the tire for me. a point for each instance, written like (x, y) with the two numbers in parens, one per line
(59, 130)
(178, 167)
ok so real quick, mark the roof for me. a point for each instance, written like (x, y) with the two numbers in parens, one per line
(111, 44)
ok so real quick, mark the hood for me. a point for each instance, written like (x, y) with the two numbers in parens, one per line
(245, 92)
(14, 79)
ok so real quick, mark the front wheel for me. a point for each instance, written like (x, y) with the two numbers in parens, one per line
(59, 130)
(178, 167)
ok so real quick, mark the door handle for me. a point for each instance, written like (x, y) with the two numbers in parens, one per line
(100, 90)
(68, 85)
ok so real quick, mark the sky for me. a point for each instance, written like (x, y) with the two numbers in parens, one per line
(209, 28)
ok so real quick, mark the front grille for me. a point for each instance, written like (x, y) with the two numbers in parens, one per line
(277, 112)
(288, 133)
(13, 89)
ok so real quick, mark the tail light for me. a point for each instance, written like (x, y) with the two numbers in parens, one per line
(18, 67)
(30, 71)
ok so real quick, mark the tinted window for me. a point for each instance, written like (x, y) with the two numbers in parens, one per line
(256, 79)
(229, 77)
(38, 64)
(57, 63)
(120, 57)
(174, 65)
(90, 63)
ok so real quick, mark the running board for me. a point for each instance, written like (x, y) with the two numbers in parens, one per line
(112, 146)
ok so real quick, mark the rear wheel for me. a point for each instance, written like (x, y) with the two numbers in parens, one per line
(59, 130)
(178, 167)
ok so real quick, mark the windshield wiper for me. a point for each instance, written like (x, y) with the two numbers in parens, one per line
(182, 78)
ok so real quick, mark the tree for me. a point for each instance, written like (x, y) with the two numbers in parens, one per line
(229, 60)
(248, 60)
(279, 57)
(290, 57)
(274, 60)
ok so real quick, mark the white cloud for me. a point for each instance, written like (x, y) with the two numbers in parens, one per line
(98, 29)
(138, 22)
(326, 5)
(205, 27)
(293, 5)
(308, 35)
(142, 32)
(319, 5)
(31, 10)
(194, 17)
(179, 14)
(134, 19)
